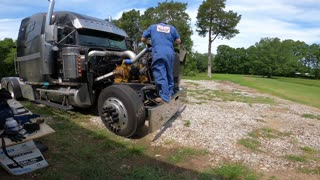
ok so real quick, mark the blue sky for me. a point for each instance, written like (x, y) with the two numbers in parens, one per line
(286, 19)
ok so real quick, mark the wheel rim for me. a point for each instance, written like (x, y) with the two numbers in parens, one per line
(10, 89)
(115, 114)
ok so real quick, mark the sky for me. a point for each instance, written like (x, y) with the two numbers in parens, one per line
(286, 19)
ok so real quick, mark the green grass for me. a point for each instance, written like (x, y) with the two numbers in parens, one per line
(305, 91)
(272, 178)
(267, 133)
(132, 151)
(311, 116)
(297, 158)
(249, 143)
(229, 172)
(187, 123)
(310, 150)
(152, 173)
(182, 154)
(309, 154)
(310, 171)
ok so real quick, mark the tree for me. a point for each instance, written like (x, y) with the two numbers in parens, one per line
(269, 59)
(7, 53)
(292, 52)
(213, 20)
(190, 68)
(130, 22)
(175, 14)
(223, 59)
(314, 59)
(201, 61)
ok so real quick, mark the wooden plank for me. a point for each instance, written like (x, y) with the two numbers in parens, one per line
(45, 129)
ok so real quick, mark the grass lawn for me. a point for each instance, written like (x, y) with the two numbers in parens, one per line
(305, 91)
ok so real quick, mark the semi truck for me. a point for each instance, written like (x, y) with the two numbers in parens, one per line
(66, 60)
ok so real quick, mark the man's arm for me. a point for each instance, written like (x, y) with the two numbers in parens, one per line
(146, 34)
(177, 41)
(144, 40)
(176, 36)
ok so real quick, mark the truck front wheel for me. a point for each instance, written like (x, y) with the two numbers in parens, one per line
(121, 110)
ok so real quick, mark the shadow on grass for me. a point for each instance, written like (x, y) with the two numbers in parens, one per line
(78, 150)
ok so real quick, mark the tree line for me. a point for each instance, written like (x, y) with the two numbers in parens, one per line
(268, 57)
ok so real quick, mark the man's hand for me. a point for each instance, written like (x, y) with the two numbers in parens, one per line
(178, 41)
(144, 40)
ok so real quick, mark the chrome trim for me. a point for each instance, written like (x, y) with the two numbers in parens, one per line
(29, 57)
(125, 54)
(98, 25)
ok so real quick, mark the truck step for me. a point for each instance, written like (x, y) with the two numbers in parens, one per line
(55, 105)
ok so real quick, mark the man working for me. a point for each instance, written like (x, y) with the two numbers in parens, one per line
(163, 37)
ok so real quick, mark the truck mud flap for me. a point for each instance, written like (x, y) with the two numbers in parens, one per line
(159, 115)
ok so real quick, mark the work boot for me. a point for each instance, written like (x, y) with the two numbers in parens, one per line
(159, 100)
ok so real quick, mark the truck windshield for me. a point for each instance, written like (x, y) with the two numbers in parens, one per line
(102, 41)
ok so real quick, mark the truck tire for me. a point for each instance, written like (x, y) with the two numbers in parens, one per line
(121, 110)
(13, 87)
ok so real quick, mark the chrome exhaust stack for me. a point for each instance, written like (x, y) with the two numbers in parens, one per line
(50, 30)
(49, 13)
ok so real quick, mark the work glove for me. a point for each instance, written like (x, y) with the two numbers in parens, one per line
(31, 127)
(13, 135)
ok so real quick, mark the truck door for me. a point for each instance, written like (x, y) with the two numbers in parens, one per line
(29, 47)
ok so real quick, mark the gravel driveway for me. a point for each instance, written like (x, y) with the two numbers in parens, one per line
(223, 118)
(238, 124)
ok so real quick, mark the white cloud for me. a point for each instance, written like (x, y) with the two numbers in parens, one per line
(285, 19)
(9, 28)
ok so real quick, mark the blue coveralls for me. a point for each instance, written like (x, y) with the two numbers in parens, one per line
(163, 37)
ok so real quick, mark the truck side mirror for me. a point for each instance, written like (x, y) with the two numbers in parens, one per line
(52, 33)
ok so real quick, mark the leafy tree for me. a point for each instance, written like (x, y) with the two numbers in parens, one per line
(130, 22)
(271, 56)
(190, 68)
(270, 62)
(213, 20)
(243, 60)
(223, 59)
(314, 59)
(253, 59)
(175, 14)
(230, 60)
(200, 60)
(292, 53)
(7, 53)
